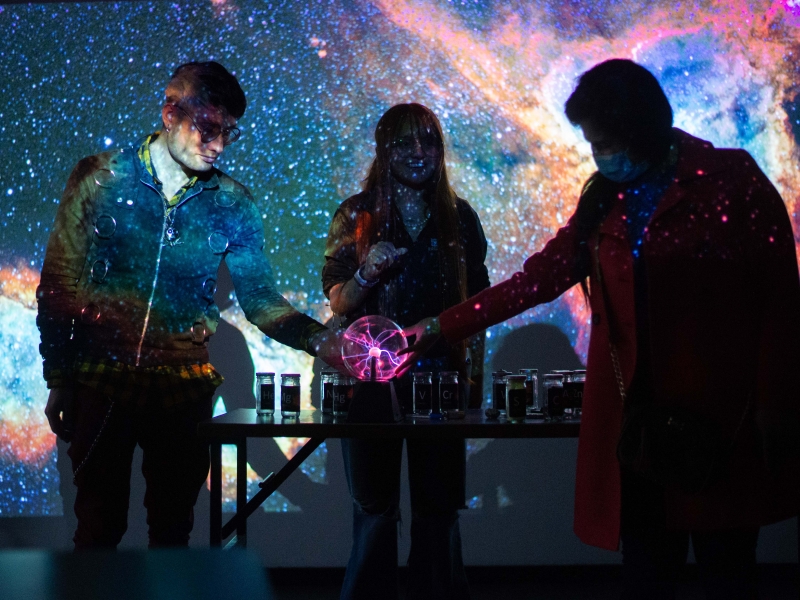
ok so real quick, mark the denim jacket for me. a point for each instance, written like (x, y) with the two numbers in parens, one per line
(122, 282)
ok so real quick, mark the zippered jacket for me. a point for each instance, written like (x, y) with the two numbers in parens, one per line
(116, 285)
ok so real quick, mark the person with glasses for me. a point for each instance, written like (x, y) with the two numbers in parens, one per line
(126, 308)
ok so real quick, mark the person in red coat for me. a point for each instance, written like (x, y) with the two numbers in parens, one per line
(702, 300)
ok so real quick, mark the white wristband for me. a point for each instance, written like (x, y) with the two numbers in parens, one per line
(361, 281)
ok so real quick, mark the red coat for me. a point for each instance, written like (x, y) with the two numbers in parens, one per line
(724, 311)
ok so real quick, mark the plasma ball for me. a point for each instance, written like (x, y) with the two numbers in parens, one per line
(373, 339)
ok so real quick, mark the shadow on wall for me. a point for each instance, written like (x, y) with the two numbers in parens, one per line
(230, 356)
(538, 346)
(504, 483)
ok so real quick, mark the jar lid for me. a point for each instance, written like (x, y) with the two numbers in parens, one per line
(264, 374)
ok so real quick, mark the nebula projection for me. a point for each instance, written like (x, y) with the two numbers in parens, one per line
(77, 79)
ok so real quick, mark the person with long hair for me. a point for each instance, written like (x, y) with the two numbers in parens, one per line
(406, 248)
(693, 287)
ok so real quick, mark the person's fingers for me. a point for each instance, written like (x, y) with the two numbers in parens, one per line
(412, 331)
(382, 256)
(407, 364)
(408, 350)
(56, 425)
(54, 420)
(379, 254)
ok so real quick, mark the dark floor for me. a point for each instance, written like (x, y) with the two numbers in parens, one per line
(777, 582)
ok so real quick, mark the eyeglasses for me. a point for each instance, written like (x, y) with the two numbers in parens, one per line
(407, 144)
(211, 131)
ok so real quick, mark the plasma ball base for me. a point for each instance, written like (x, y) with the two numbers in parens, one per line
(374, 402)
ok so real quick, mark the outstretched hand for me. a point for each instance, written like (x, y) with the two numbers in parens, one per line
(327, 346)
(425, 333)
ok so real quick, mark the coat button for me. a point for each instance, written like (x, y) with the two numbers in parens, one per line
(105, 178)
(595, 319)
(218, 242)
(105, 226)
(90, 314)
(209, 288)
(99, 270)
(224, 199)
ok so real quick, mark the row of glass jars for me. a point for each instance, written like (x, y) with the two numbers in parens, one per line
(517, 396)
(514, 396)
(336, 392)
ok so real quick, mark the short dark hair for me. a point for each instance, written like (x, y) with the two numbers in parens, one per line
(208, 83)
(624, 100)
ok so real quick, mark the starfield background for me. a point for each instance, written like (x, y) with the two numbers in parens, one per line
(80, 78)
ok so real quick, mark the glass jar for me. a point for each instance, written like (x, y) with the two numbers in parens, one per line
(532, 407)
(578, 380)
(516, 398)
(423, 392)
(499, 391)
(290, 394)
(565, 372)
(553, 392)
(566, 394)
(265, 393)
(448, 391)
(326, 390)
(343, 389)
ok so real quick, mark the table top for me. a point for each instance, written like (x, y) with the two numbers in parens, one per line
(244, 423)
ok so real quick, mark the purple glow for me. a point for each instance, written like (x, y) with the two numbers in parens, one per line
(373, 337)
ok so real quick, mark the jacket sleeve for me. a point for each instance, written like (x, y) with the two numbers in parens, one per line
(774, 276)
(69, 243)
(256, 291)
(544, 276)
(341, 256)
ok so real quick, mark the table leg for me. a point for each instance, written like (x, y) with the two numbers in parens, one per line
(215, 450)
(241, 490)
(269, 485)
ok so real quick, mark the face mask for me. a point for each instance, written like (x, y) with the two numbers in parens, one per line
(618, 167)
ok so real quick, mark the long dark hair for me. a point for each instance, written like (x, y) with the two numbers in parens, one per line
(379, 223)
(625, 101)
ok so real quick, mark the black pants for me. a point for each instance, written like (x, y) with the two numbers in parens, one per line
(437, 474)
(175, 465)
(653, 556)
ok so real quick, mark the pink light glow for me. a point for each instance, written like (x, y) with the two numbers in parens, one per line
(373, 338)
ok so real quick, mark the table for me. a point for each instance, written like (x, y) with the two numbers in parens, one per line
(238, 425)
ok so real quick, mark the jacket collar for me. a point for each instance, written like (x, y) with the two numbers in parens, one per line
(205, 181)
(695, 161)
